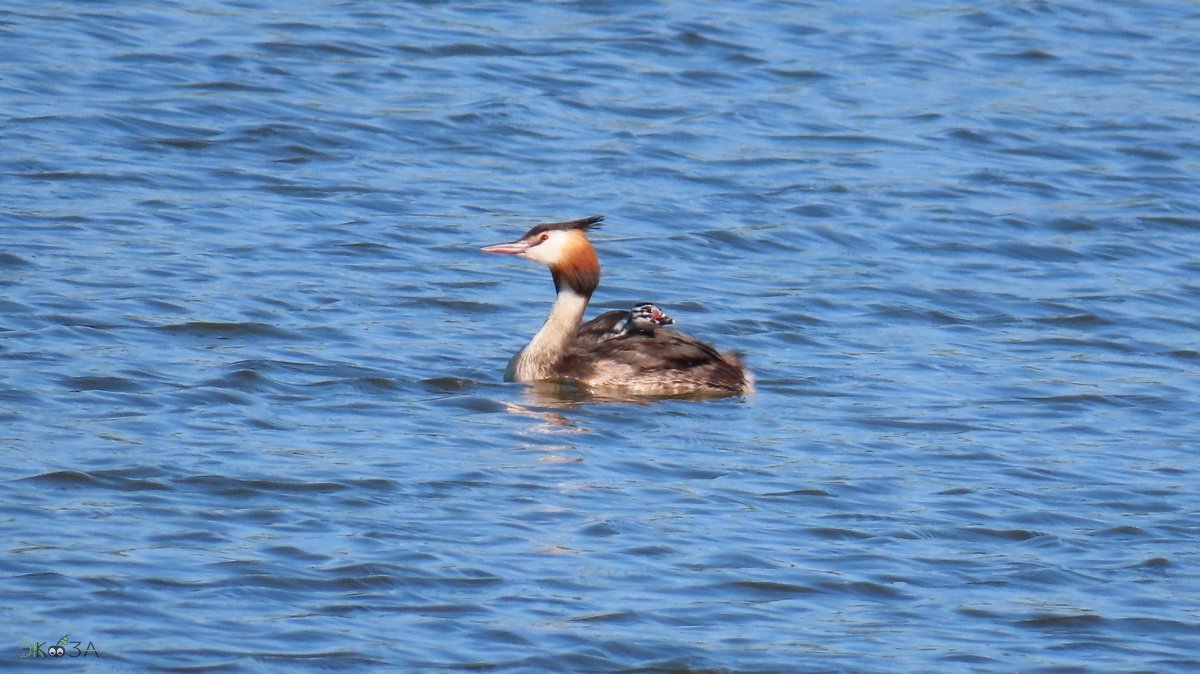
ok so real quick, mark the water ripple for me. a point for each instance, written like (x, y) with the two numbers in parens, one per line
(251, 388)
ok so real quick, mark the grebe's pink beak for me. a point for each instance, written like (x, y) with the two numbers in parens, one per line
(511, 248)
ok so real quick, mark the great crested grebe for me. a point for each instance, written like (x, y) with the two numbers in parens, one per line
(641, 320)
(661, 362)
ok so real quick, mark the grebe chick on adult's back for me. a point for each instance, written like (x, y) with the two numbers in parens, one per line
(665, 362)
(641, 320)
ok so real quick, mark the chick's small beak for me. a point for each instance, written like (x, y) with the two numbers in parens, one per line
(511, 248)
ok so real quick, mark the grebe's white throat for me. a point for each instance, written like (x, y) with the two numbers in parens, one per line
(536, 361)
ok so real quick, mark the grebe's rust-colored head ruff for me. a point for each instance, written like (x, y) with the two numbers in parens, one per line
(564, 248)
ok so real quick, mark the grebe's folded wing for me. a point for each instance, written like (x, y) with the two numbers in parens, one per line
(664, 362)
(673, 350)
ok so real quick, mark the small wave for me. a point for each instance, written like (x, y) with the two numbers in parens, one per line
(110, 479)
(1005, 534)
(96, 383)
(225, 330)
(1056, 621)
(239, 487)
(864, 588)
(10, 260)
(773, 588)
(448, 384)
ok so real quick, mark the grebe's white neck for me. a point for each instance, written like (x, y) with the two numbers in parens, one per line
(536, 361)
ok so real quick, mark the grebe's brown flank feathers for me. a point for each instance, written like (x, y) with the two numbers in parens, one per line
(665, 362)
(583, 223)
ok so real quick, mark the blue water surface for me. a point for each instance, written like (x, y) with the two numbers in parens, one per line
(251, 408)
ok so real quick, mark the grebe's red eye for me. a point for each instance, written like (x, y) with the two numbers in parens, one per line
(543, 237)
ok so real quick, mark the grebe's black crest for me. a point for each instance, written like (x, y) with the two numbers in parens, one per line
(585, 224)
